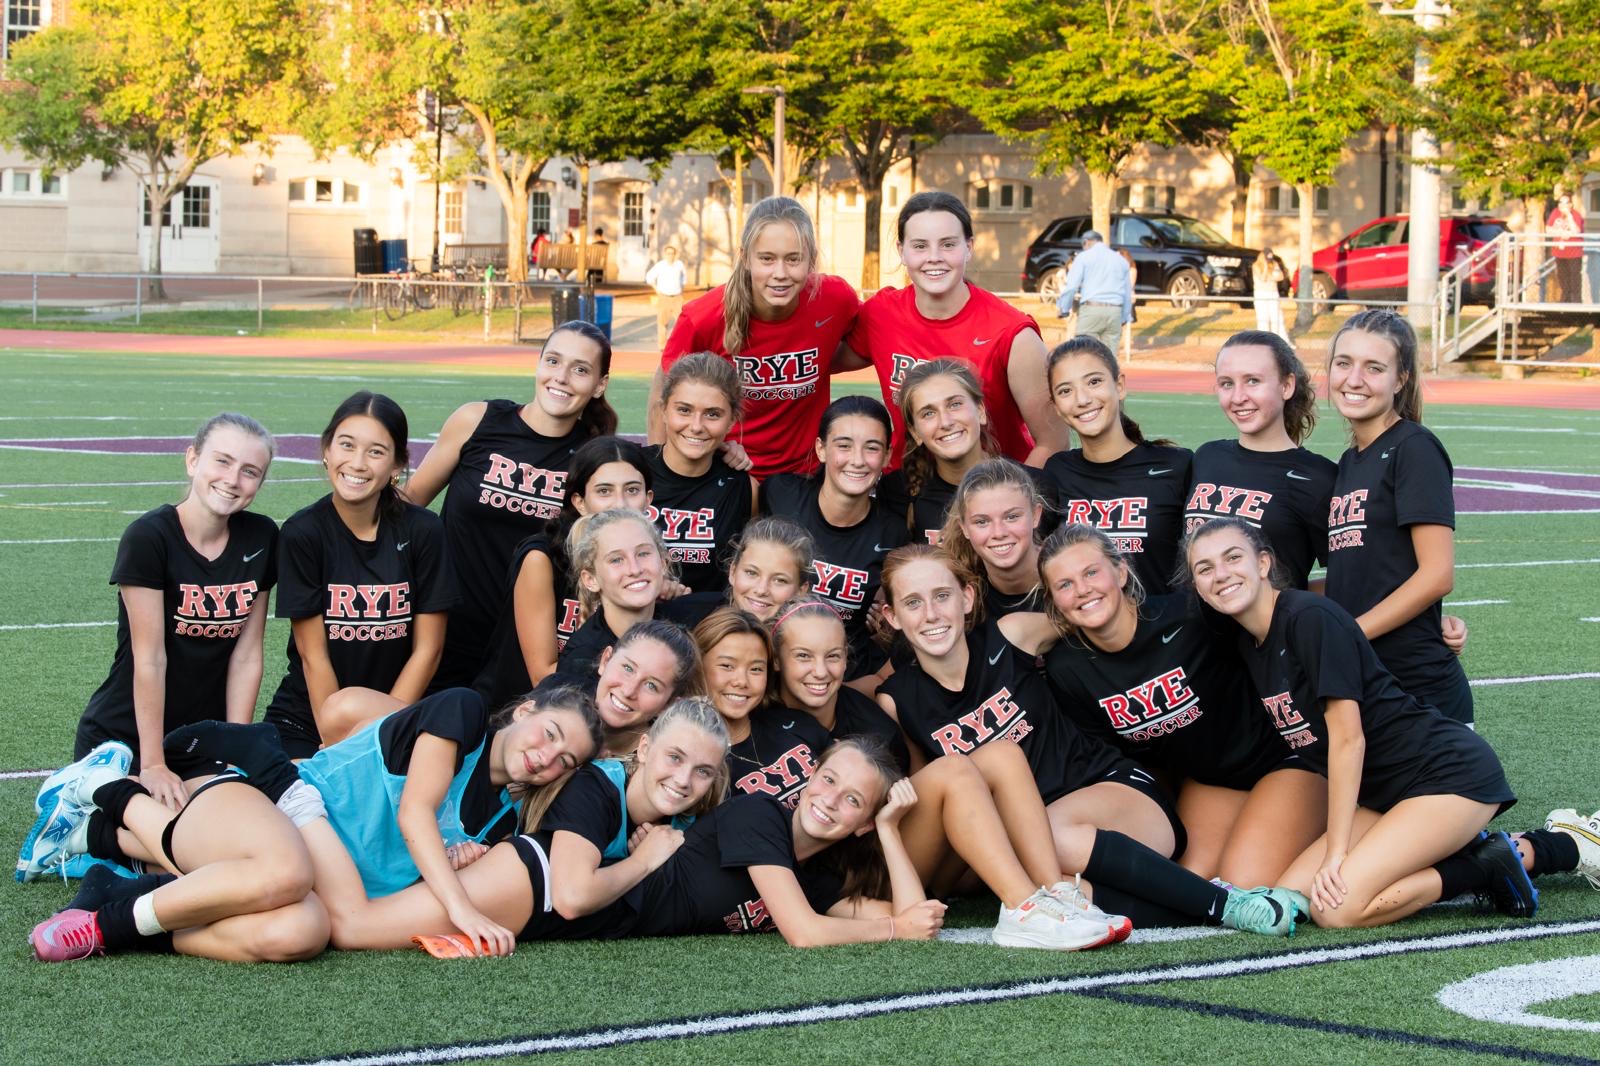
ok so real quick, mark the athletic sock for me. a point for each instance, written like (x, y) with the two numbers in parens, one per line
(102, 884)
(120, 930)
(1141, 912)
(111, 803)
(1134, 872)
(1459, 876)
(210, 747)
(1553, 852)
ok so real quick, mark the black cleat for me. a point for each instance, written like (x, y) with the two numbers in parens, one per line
(1508, 884)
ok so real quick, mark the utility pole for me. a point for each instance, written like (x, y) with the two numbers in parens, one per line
(1422, 276)
(778, 100)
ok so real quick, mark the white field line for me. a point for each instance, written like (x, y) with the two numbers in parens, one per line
(1528, 562)
(138, 484)
(1553, 472)
(1474, 603)
(746, 1021)
(1533, 678)
(55, 625)
(1561, 510)
(980, 935)
(65, 503)
(1526, 488)
(64, 540)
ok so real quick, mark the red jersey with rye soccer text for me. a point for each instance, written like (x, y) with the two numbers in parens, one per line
(892, 333)
(783, 367)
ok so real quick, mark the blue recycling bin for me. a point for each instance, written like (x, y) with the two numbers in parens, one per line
(394, 254)
(598, 309)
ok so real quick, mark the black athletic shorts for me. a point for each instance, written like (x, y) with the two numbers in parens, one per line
(1127, 772)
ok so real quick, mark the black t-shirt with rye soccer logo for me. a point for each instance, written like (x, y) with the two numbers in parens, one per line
(367, 594)
(1402, 479)
(777, 758)
(508, 482)
(1176, 698)
(1004, 697)
(205, 603)
(849, 559)
(1136, 500)
(1283, 494)
(699, 518)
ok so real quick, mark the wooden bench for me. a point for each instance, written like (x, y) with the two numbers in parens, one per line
(564, 257)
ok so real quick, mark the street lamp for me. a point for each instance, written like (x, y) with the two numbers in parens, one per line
(1422, 278)
(777, 94)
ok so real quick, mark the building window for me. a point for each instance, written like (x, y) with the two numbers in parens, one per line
(1461, 203)
(196, 212)
(450, 218)
(1592, 198)
(1002, 196)
(539, 210)
(23, 18)
(633, 214)
(894, 196)
(1145, 196)
(31, 184)
(325, 192)
(1285, 200)
(849, 198)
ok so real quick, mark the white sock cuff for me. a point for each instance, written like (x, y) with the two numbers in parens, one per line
(144, 915)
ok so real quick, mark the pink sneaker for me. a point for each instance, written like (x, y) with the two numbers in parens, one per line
(67, 937)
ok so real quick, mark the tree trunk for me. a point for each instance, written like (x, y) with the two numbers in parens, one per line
(583, 223)
(1304, 312)
(158, 196)
(1533, 252)
(517, 241)
(872, 243)
(1102, 191)
(1239, 209)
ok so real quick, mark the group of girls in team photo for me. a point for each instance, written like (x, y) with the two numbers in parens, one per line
(800, 663)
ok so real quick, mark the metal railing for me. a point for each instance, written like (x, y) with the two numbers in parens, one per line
(1529, 279)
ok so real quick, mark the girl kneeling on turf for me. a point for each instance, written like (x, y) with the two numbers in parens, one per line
(1409, 791)
(208, 564)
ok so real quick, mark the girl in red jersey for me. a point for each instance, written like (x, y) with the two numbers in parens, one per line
(942, 315)
(1131, 488)
(208, 564)
(779, 322)
(502, 466)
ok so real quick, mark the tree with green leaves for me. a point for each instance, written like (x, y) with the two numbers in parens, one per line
(1084, 84)
(158, 86)
(1515, 98)
(1319, 86)
(595, 80)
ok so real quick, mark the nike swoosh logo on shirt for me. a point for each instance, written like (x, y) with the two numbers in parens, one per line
(1153, 472)
(401, 546)
(788, 725)
(1298, 477)
(878, 547)
(1385, 455)
(823, 322)
(1166, 638)
(996, 656)
(253, 554)
(978, 342)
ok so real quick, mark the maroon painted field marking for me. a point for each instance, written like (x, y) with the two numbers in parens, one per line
(1486, 489)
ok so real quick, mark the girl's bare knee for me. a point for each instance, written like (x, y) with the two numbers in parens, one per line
(298, 933)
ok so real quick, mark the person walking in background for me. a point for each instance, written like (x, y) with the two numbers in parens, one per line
(1267, 276)
(667, 276)
(598, 276)
(1565, 227)
(1098, 276)
(541, 240)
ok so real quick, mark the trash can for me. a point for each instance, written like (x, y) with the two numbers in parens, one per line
(368, 259)
(563, 304)
(394, 254)
(597, 309)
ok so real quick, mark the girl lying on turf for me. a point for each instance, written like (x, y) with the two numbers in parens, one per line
(375, 812)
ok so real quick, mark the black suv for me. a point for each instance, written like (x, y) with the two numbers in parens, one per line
(1175, 255)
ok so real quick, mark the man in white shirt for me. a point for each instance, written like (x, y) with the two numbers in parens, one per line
(667, 277)
(1098, 276)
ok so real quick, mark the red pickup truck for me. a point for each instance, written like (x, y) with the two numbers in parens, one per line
(1372, 262)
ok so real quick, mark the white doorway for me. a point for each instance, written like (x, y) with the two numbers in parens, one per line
(632, 253)
(191, 230)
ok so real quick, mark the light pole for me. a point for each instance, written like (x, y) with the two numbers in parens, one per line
(1422, 274)
(778, 97)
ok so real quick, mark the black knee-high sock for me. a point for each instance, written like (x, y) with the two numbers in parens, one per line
(1553, 852)
(1459, 876)
(111, 803)
(210, 747)
(119, 932)
(1133, 880)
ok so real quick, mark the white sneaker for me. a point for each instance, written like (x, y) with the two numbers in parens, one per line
(1070, 893)
(1586, 832)
(1043, 921)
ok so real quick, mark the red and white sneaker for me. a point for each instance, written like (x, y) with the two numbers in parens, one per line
(1071, 894)
(67, 937)
(1043, 921)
